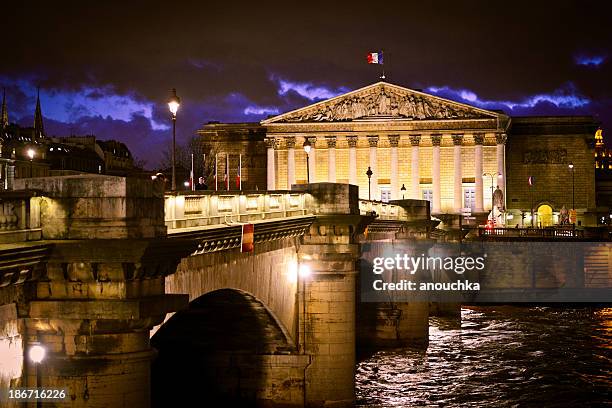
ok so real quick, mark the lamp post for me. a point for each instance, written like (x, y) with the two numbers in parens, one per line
(31, 153)
(173, 105)
(571, 167)
(403, 189)
(369, 174)
(307, 146)
(492, 177)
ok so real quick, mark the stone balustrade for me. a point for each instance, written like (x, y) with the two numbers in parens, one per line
(193, 210)
(19, 217)
(199, 209)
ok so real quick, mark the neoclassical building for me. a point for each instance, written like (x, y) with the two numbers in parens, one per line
(433, 147)
(419, 146)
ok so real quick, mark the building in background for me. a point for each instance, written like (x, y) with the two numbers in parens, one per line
(603, 179)
(29, 152)
(421, 146)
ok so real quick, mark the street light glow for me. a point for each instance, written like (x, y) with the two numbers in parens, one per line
(304, 271)
(174, 103)
(37, 353)
(31, 153)
(307, 146)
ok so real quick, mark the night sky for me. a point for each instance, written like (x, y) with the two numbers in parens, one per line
(107, 69)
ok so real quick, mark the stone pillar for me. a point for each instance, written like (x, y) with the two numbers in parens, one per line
(352, 142)
(271, 168)
(312, 160)
(290, 141)
(330, 252)
(457, 191)
(331, 159)
(394, 142)
(414, 168)
(478, 142)
(500, 139)
(373, 142)
(10, 176)
(435, 142)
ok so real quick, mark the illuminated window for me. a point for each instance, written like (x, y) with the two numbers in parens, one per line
(427, 194)
(385, 194)
(469, 197)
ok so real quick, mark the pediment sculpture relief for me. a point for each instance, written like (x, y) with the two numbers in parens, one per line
(382, 103)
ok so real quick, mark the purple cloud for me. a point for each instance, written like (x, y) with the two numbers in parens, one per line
(564, 98)
(589, 60)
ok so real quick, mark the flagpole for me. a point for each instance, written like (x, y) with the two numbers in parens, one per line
(204, 179)
(383, 65)
(240, 172)
(227, 173)
(192, 175)
(216, 183)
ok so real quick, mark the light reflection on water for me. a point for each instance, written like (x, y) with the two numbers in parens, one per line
(499, 356)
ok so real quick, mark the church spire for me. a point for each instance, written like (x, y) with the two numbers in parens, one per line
(39, 129)
(5, 120)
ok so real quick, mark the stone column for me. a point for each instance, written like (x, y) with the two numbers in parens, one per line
(478, 142)
(500, 139)
(290, 141)
(331, 159)
(394, 142)
(373, 142)
(330, 252)
(352, 142)
(312, 160)
(436, 139)
(271, 168)
(457, 191)
(414, 167)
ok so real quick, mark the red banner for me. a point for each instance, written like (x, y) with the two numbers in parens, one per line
(248, 238)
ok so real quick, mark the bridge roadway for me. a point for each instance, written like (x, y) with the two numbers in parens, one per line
(145, 299)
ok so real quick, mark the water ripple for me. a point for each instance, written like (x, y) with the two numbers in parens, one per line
(502, 356)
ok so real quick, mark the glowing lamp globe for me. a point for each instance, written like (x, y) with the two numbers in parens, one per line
(174, 103)
(37, 353)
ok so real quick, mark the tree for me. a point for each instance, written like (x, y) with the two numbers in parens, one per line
(201, 151)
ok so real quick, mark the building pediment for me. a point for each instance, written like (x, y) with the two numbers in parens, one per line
(382, 101)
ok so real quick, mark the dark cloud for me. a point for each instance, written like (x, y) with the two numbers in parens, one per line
(226, 59)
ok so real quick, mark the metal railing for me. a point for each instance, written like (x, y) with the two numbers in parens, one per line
(554, 232)
(193, 210)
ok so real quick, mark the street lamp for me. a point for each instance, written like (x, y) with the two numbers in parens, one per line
(31, 153)
(173, 105)
(369, 174)
(403, 189)
(571, 167)
(492, 177)
(307, 147)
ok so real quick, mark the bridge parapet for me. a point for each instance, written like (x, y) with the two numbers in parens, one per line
(19, 217)
(198, 209)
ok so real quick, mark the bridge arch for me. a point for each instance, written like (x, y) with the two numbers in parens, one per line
(228, 346)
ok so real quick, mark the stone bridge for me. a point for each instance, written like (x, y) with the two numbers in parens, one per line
(141, 298)
(91, 266)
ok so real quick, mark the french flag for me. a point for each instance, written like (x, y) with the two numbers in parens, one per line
(375, 58)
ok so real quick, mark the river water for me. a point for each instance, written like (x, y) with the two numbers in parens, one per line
(498, 356)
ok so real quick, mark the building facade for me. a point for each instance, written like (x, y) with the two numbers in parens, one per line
(421, 146)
